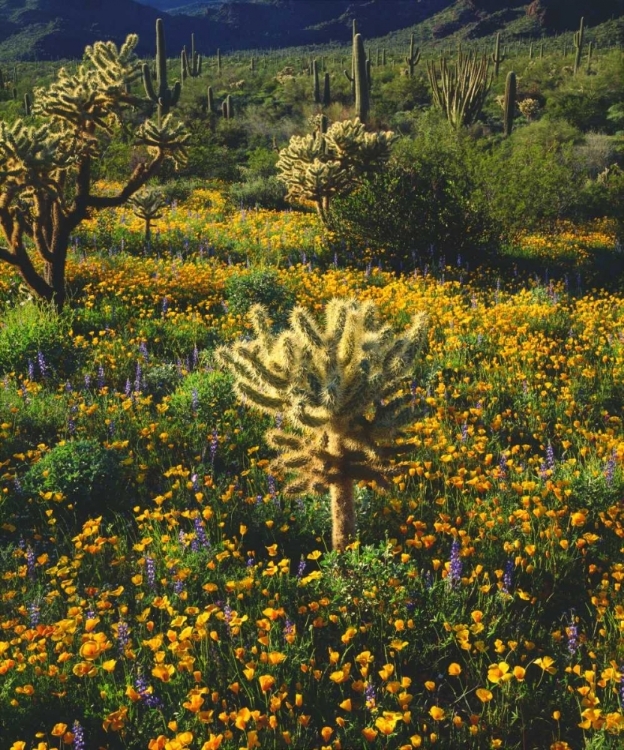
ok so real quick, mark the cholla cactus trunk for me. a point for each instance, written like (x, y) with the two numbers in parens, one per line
(579, 39)
(340, 390)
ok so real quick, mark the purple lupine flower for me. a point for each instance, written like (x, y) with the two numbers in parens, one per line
(165, 305)
(195, 480)
(250, 562)
(111, 427)
(610, 468)
(33, 614)
(143, 350)
(508, 576)
(455, 565)
(24, 392)
(137, 378)
(71, 426)
(43, 367)
(543, 471)
(178, 586)
(622, 688)
(182, 538)
(144, 690)
(68, 387)
(128, 388)
(258, 499)
(371, 695)
(195, 356)
(214, 444)
(31, 370)
(30, 562)
(200, 532)
(100, 377)
(123, 636)
(289, 627)
(464, 432)
(79, 738)
(301, 569)
(550, 457)
(194, 400)
(87, 381)
(502, 466)
(272, 486)
(572, 634)
(150, 571)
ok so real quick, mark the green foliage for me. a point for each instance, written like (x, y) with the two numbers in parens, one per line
(205, 396)
(421, 200)
(89, 476)
(30, 329)
(259, 286)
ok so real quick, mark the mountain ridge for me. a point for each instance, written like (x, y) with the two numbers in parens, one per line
(53, 29)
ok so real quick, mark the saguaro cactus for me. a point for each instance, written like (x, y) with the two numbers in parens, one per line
(192, 66)
(413, 58)
(210, 104)
(164, 97)
(461, 89)
(326, 91)
(361, 79)
(316, 82)
(579, 40)
(27, 110)
(227, 108)
(590, 52)
(509, 104)
(497, 56)
(219, 61)
(340, 387)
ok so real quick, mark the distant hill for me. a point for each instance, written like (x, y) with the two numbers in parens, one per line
(53, 29)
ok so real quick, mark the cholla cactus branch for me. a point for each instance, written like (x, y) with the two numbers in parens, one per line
(326, 382)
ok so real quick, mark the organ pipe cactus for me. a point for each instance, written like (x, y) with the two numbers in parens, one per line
(340, 390)
(162, 95)
(460, 89)
(413, 58)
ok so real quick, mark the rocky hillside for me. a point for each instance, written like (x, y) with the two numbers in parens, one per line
(53, 29)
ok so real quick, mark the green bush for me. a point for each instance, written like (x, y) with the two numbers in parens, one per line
(89, 476)
(422, 199)
(203, 395)
(259, 286)
(259, 192)
(34, 341)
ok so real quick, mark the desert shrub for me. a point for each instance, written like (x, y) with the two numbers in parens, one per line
(259, 286)
(531, 182)
(261, 192)
(422, 199)
(203, 395)
(89, 476)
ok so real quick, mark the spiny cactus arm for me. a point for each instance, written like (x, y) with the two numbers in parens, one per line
(266, 403)
(302, 415)
(148, 83)
(303, 324)
(279, 439)
(262, 375)
(348, 76)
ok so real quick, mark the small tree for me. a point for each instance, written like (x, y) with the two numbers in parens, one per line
(340, 388)
(46, 169)
(318, 166)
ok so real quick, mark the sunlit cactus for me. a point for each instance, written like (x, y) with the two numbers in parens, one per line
(148, 205)
(340, 390)
(319, 166)
(47, 175)
(192, 66)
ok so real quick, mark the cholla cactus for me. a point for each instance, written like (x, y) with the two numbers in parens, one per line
(147, 205)
(529, 108)
(340, 388)
(46, 180)
(319, 166)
